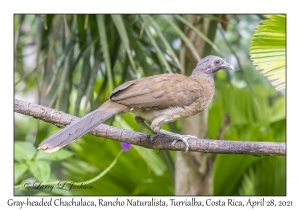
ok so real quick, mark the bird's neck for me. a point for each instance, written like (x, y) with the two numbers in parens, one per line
(207, 82)
(202, 76)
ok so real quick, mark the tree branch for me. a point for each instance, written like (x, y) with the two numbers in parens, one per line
(161, 142)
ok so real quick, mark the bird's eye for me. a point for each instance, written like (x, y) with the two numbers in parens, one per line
(217, 62)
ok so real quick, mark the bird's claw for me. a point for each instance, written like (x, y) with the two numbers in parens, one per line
(174, 142)
(183, 138)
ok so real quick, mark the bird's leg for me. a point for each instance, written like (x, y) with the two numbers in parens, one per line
(177, 137)
(142, 122)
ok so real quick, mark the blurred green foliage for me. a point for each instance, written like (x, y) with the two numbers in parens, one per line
(72, 62)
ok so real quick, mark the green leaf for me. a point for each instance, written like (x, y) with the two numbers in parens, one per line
(24, 151)
(199, 33)
(20, 169)
(118, 21)
(156, 163)
(104, 44)
(238, 169)
(58, 155)
(130, 171)
(165, 41)
(267, 177)
(183, 37)
(152, 40)
(40, 170)
(267, 49)
(279, 110)
(247, 123)
(81, 30)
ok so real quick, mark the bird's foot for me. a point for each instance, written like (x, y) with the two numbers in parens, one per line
(183, 138)
(178, 137)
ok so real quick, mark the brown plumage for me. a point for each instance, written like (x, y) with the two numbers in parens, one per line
(160, 99)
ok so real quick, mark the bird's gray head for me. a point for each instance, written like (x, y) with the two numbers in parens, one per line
(210, 65)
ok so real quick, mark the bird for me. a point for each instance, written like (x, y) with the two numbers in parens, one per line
(158, 99)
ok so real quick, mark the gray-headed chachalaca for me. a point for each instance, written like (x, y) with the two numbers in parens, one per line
(160, 99)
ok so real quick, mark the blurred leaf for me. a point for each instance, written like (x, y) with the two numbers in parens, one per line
(199, 33)
(158, 51)
(81, 30)
(247, 184)
(123, 35)
(130, 171)
(20, 169)
(248, 123)
(44, 26)
(103, 41)
(164, 40)
(222, 173)
(279, 110)
(24, 151)
(268, 51)
(240, 106)
(65, 81)
(265, 178)
(58, 155)
(85, 75)
(156, 163)
(183, 37)
(40, 170)
(156, 186)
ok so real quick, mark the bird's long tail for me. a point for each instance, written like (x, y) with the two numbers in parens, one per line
(82, 126)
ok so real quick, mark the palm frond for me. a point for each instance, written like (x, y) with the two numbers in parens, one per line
(268, 49)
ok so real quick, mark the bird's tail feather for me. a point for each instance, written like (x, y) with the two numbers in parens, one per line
(81, 127)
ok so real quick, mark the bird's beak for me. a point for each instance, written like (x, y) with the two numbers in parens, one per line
(227, 66)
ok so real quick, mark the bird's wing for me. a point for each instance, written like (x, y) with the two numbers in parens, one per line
(160, 91)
